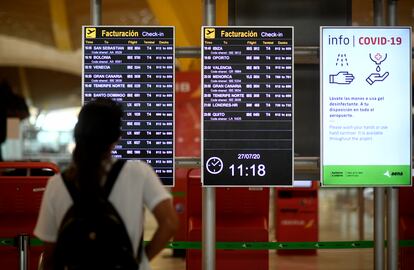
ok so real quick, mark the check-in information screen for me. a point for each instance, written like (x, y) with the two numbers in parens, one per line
(366, 106)
(135, 67)
(247, 106)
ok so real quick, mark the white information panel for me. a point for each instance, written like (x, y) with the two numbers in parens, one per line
(365, 106)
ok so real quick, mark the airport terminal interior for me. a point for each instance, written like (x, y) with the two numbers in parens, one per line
(44, 46)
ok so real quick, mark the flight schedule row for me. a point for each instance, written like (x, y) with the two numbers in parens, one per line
(240, 84)
(245, 90)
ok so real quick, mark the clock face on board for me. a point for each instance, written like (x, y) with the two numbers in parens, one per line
(214, 165)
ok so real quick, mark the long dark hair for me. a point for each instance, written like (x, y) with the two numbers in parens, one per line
(98, 127)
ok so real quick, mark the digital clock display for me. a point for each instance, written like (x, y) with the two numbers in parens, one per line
(246, 170)
(247, 103)
(135, 67)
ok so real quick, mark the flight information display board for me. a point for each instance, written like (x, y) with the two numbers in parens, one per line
(247, 118)
(135, 67)
(366, 106)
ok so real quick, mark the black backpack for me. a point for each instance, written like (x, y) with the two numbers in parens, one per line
(92, 235)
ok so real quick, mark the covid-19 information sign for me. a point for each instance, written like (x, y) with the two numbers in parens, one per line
(366, 106)
(135, 67)
(247, 121)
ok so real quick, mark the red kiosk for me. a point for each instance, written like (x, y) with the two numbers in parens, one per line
(187, 143)
(406, 226)
(241, 216)
(296, 215)
(21, 190)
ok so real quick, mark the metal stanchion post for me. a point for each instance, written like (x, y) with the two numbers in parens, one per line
(379, 253)
(232, 12)
(392, 229)
(379, 195)
(378, 12)
(209, 193)
(361, 213)
(392, 12)
(96, 12)
(23, 247)
(392, 193)
(209, 229)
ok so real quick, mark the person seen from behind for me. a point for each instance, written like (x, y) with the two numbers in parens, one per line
(137, 186)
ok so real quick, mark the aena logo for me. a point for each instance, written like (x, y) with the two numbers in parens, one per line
(390, 174)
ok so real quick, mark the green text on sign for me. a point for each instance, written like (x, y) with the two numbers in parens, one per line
(366, 175)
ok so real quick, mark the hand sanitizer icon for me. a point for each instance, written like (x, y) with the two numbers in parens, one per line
(378, 59)
(376, 76)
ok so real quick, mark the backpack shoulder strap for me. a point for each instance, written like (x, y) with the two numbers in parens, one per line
(70, 186)
(112, 176)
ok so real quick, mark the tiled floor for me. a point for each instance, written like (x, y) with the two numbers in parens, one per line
(338, 221)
